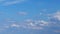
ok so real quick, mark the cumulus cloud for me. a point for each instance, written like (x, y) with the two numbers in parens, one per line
(37, 24)
(43, 23)
(26, 26)
(57, 15)
(54, 19)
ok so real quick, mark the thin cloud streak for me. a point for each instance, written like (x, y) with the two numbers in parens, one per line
(12, 2)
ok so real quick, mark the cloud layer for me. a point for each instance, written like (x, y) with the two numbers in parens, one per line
(40, 24)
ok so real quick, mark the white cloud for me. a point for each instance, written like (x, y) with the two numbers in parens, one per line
(28, 20)
(3, 28)
(26, 26)
(36, 24)
(57, 15)
(43, 23)
(22, 13)
(12, 2)
(10, 20)
(53, 19)
(57, 31)
(15, 25)
(31, 24)
(35, 27)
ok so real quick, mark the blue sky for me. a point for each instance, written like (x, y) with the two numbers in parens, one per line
(29, 16)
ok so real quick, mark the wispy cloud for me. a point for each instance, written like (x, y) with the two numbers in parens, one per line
(7, 3)
(14, 25)
(3, 27)
(44, 10)
(22, 13)
(57, 31)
